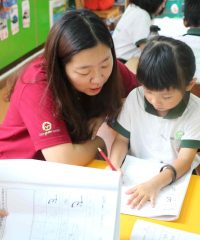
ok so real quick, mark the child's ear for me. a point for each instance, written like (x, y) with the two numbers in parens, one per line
(191, 84)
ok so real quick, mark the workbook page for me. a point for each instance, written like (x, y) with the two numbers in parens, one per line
(168, 201)
(69, 210)
(144, 230)
(38, 213)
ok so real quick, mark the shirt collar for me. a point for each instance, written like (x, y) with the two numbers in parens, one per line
(193, 31)
(174, 112)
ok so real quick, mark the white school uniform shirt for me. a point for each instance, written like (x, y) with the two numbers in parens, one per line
(132, 28)
(159, 138)
(192, 39)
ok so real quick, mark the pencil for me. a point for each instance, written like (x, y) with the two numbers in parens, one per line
(106, 159)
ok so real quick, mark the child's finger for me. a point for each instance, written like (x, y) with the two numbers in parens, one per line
(152, 201)
(3, 213)
(142, 202)
(131, 190)
(134, 202)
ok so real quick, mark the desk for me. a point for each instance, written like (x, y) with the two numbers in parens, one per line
(189, 219)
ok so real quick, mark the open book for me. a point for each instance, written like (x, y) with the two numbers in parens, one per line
(168, 201)
(47, 200)
(148, 231)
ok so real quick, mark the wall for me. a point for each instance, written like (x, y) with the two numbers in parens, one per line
(173, 9)
(26, 39)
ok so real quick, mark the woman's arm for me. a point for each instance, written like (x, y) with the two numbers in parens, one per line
(75, 154)
(146, 191)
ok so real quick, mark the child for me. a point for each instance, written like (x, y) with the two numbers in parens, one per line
(192, 37)
(161, 118)
(133, 28)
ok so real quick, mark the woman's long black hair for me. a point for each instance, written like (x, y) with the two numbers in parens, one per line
(75, 31)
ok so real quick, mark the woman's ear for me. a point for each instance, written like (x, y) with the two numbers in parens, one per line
(191, 84)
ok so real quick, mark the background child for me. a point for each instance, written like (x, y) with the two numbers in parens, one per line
(161, 119)
(192, 37)
(133, 28)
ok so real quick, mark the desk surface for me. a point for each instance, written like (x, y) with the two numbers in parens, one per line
(189, 219)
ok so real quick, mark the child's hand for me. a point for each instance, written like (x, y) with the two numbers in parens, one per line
(142, 193)
(3, 213)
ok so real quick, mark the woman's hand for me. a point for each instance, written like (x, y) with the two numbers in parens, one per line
(142, 193)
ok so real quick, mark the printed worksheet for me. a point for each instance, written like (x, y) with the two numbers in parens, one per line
(144, 230)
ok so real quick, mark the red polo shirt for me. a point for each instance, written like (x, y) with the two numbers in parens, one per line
(30, 123)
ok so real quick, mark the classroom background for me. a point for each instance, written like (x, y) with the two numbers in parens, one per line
(25, 25)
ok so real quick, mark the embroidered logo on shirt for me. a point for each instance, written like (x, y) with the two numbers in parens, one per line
(47, 127)
(179, 135)
(176, 140)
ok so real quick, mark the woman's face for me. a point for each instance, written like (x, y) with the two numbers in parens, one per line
(89, 69)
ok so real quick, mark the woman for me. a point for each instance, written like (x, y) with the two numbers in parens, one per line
(62, 98)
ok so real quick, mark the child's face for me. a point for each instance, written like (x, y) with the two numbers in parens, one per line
(163, 100)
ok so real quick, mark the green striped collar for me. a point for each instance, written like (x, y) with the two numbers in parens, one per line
(193, 31)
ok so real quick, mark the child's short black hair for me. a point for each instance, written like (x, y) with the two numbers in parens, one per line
(150, 6)
(192, 13)
(165, 63)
